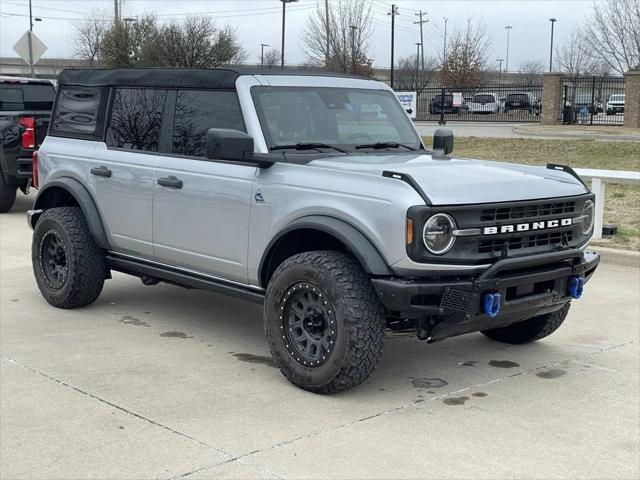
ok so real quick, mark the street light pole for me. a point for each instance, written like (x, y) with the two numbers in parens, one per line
(393, 13)
(444, 49)
(353, 48)
(31, 41)
(284, 5)
(262, 45)
(553, 21)
(508, 29)
(326, 12)
(500, 60)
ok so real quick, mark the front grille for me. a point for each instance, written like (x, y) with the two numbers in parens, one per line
(527, 211)
(529, 241)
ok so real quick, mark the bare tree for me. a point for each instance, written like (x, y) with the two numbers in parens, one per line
(87, 39)
(272, 58)
(350, 30)
(573, 58)
(611, 34)
(531, 71)
(411, 76)
(466, 59)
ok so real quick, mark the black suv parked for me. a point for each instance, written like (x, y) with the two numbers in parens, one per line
(25, 108)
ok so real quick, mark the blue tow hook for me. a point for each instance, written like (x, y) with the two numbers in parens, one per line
(491, 304)
(576, 287)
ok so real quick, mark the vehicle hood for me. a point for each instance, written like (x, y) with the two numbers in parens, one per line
(459, 181)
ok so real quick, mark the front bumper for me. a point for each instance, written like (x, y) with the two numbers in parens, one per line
(529, 286)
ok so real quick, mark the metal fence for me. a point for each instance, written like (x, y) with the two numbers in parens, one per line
(592, 101)
(482, 103)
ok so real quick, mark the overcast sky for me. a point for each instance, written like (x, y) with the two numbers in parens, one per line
(259, 21)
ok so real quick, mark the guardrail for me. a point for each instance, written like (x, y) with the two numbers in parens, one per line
(599, 179)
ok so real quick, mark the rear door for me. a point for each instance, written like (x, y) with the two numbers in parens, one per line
(201, 206)
(122, 170)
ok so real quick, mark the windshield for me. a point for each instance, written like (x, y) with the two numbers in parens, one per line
(483, 98)
(617, 98)
(338, 117)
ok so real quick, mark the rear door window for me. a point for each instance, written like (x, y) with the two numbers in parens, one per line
(199, 110)
(76, 111)
(136, 119)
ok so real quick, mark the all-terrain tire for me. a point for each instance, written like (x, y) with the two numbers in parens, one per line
(357, 342)
(7, 195)
(531, 329)
(81, 260)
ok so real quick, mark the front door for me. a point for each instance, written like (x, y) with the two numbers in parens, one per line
(201, 206)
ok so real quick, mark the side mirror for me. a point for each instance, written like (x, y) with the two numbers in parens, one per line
(443, 140)
(227, 144)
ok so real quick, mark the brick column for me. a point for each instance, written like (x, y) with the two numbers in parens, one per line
(551, 99)
(632, 99)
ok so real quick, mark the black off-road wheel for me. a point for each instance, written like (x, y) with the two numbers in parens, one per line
(7, 195)
(69, 267)
(323, 321)
(531, 329)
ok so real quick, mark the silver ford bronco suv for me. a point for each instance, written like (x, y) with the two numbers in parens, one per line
(309, 193)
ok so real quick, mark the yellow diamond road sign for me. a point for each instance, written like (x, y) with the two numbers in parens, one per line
(37, 47)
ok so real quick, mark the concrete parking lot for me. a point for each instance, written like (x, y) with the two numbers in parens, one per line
(163, 382)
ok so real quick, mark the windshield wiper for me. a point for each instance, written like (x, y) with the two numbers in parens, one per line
(381, 145)
(307, 146)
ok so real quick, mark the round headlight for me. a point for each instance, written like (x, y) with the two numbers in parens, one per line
(588, 212)
(438, 233)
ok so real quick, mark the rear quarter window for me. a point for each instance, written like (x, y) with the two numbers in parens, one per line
(77, 111)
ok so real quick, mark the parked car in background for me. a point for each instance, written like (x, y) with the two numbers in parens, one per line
(615, 104)
(25, 108)
(586, 101)
(440, 105)
(517, 101)
(484, 103)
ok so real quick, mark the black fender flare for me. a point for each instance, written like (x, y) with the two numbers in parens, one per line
(84, 199)
(356, 242)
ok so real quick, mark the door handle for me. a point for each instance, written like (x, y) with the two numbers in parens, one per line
(170, 181)
(101, 171)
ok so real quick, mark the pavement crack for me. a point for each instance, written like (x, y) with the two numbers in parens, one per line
(229, 457)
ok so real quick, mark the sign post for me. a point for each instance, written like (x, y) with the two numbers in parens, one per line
(30, 48)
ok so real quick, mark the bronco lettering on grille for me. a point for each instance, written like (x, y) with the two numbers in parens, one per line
(525, 227)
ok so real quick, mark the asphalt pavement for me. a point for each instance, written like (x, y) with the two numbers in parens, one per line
(163, 382)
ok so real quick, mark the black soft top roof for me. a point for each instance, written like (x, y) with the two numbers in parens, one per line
(224, 78)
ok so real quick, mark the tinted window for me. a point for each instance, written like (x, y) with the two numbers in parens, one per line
(26, 97)
(77, 110)
(136, 118)
(198, 111)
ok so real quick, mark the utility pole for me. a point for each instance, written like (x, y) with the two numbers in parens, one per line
(262, 45)
(326, 13)
(553, 21)
(393, 13)
(284, 5)
(421, 22)
(418, 49)
(444, 50)
(353, 47)
(508, 29)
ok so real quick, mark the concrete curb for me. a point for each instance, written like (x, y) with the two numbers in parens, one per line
(613, 256)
